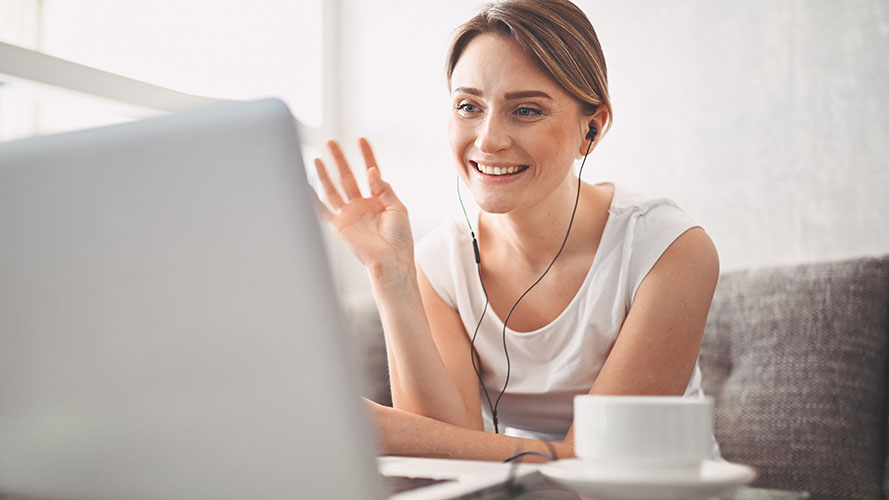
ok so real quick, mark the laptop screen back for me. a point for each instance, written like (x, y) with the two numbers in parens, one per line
(168, 327)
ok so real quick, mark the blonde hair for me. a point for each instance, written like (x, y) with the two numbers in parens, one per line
(556, 35)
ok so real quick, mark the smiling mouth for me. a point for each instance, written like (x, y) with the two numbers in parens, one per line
(498, 171)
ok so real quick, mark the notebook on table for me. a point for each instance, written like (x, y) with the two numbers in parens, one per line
(168, 324)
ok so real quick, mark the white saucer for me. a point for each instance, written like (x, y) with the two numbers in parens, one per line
(715, 478)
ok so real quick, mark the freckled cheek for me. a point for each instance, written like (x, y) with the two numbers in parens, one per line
(538, 141)
(549, 146)
(562, 143)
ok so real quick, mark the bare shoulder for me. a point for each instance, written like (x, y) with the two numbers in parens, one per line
(602, 194)
(691, 259)
(679, 288)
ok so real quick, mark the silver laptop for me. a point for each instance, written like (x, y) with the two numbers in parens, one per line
(168, 327)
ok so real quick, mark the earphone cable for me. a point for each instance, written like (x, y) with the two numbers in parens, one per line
(473, 354)
(561, 248)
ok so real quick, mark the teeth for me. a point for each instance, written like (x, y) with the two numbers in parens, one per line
(487, 169)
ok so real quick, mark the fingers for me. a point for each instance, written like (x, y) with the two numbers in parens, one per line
(378, 187)
(347, 180)
(330, 192)
(368, 153)
(381, 188)
(325, 212)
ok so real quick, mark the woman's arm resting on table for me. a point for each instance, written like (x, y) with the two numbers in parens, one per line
(407, 434)
(658, 345)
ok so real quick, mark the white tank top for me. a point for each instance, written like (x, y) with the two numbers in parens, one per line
(551, 365)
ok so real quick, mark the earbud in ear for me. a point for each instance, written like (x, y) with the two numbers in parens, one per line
(591, 135)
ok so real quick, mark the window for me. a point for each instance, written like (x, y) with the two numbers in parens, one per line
(229, 49)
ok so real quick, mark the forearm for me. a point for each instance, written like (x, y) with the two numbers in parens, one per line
(406, 434)
(377, 230)
(419, 379)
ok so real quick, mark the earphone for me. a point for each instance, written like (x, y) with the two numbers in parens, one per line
(473, 354)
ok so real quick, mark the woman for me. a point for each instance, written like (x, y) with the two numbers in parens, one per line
(623, 282)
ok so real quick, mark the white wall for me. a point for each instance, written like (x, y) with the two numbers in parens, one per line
(767, 121)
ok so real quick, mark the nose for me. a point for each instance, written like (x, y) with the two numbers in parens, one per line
(492, 136)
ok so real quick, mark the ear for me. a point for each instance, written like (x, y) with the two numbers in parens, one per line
(597, 120)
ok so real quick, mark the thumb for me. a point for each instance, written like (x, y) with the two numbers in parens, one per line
(380, 188)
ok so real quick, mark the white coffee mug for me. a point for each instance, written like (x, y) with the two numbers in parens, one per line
(660, 434)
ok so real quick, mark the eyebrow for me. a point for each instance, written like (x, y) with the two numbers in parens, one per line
(509, 95)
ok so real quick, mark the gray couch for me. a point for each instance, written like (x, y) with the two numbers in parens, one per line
(796, 360)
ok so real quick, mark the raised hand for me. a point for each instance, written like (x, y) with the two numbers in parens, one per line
(375, 228)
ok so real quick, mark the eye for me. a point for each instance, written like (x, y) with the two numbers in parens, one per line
(466, 108)
(527, 111)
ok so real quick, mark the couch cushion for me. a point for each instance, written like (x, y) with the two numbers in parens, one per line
(368, 344)
(795, 358)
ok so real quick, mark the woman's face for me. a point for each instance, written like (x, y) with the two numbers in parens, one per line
(514, 132)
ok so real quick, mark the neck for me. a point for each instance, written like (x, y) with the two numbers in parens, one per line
(533, 235)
